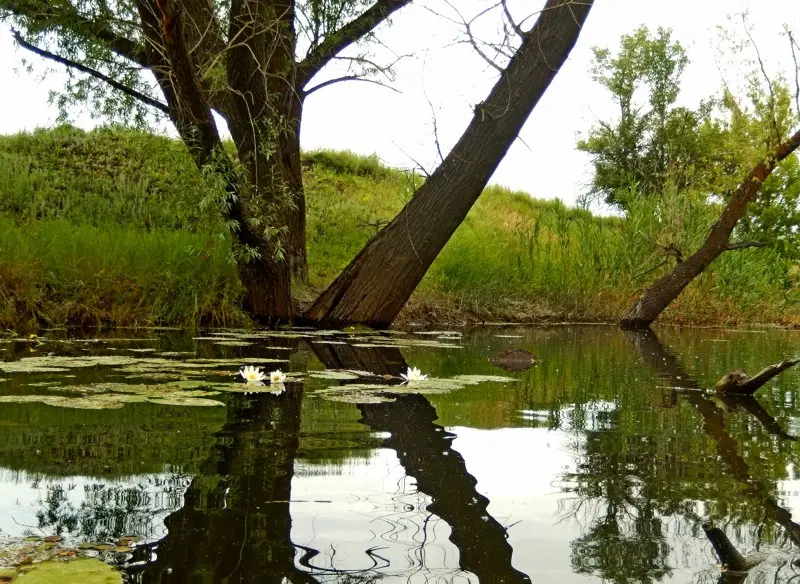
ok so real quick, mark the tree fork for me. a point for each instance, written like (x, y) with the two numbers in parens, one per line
(267, 282)
(381, 278)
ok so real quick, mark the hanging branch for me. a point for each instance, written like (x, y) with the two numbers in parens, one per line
(146, 99)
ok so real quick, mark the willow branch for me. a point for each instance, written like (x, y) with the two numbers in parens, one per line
(146, 99)
(52, 14)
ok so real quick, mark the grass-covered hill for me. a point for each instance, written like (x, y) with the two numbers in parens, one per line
(111, 227)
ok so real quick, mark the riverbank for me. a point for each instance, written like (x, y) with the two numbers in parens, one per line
(116, 228)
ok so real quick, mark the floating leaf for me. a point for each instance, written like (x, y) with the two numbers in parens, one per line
(82, 571)
(475, 379)
(360, 397)
(248, 388)
(333, 374)
(186, 401)
(377, 393)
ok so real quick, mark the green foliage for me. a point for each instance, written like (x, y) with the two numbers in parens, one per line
(655, 149)
(110, 227)
(653, 143)
(775, 214)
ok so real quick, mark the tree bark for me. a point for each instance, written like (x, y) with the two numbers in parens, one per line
(267, 282)
(379, 281)
(660, 294)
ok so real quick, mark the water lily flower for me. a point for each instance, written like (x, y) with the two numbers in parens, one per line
(252, 374)
(277, 377)
(413, 374)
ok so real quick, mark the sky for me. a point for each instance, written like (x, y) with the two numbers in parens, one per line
(440, 78)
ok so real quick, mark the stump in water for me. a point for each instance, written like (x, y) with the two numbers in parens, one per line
(739, 382)
(728, 555)
(514, 360)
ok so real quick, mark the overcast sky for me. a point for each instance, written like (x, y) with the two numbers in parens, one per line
(446, 79)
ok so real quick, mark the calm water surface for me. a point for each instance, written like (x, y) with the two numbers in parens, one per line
(601, 464)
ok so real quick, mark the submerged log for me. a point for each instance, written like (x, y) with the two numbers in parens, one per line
(514, 360)
(740, 383)
(728, 555)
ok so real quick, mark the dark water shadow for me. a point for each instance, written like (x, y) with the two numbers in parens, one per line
(235, 523)
(425, 452)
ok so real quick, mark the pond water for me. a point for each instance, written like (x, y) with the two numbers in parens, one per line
(600, 464)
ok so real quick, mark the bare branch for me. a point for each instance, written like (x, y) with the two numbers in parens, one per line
(745, 244)
(435, 125)
(348, 78)
(88, 70)
(768, 81)
(514, 26)
(344, 37)
(793, 46)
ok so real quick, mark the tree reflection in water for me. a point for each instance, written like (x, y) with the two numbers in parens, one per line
(242, 495)
(651, 469)
(644, 488)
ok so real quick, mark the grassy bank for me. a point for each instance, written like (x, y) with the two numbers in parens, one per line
(109, 227)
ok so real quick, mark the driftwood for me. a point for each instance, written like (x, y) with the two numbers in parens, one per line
(740, 383)
(514, 360)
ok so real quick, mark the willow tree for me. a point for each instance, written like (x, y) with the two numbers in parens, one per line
(190, 59)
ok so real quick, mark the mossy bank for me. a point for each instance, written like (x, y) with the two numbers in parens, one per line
(113, 228)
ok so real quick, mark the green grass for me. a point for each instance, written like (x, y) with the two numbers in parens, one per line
(108, 227)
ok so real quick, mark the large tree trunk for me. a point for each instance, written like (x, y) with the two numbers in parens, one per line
(660, 294)
(267, 282)
(379, 281)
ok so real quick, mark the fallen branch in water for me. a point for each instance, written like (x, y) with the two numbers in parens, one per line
(728, 555)
(739, 382)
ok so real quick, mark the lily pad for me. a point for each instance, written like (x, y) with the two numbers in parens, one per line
(333, 374)
(186, 401)
(101, 396)
(81, 571)
(250, 387)
(377, 393)
(475, 379)
(360, 397)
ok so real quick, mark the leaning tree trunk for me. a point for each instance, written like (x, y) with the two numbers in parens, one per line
(660, 294)
(267, 282)
(379, 281)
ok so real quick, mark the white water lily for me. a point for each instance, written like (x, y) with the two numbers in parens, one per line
(252, 374)
(413, 374)
(277, 377)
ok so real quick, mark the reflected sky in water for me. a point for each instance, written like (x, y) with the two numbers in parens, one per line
(601, 464)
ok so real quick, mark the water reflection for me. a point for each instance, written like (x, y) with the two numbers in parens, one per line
(241, 496)
(614, 458)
